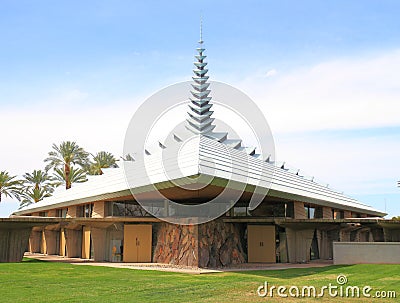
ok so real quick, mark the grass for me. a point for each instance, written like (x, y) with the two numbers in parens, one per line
(38, 281)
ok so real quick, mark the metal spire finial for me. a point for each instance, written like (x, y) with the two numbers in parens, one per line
(201, 29)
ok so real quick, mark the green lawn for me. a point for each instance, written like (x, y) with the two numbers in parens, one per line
(34, 281)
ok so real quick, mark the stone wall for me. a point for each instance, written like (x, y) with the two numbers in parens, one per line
(212, 244)
(175, 244)
(221, 244)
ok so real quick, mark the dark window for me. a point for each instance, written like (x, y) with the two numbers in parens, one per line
(310, 211)
(338, 214)
(88, 209)
(240, 211)
(61, 212)
(84, 211)
(126, 209)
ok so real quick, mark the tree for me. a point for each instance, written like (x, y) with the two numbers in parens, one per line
(37, 186)
(101, 160)
(9, 187)
(62, 158)
(75, 175)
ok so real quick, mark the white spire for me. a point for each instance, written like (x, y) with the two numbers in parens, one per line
(199, 120)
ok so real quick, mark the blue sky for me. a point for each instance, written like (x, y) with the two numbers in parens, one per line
(324, 73)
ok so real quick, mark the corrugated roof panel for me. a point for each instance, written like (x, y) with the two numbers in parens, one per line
(201, 155)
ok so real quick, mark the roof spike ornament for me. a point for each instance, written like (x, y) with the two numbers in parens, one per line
(199, 120)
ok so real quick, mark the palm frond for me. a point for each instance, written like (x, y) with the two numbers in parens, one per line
(9, 186)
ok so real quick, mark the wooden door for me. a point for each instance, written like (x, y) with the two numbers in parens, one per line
(137, 243)
(86, 242)
(261, 243)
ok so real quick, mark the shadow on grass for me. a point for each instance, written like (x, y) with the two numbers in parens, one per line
(29, 260)
(292, 272)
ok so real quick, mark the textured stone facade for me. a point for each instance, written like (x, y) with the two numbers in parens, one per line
(221, 244)
(212, 244)
(175, 244)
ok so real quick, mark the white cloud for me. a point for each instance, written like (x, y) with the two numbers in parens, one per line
(338, 94)
(34, 129)
(353, 164)
(271, 73)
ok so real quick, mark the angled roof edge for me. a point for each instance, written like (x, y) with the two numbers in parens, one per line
(196, 160)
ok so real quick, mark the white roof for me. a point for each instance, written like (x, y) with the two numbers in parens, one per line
(205, 156)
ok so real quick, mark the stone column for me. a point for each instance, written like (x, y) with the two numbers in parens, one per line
(13, 244)
(299, 244)
(51, 242)
(344, 236)
(99, 243)
(34, 242)
(299, 210)
(391, 235)
(377, 235)
(325, 245)
(73, 238)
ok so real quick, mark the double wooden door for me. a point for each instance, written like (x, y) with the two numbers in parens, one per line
(261, 243)
(137, 243)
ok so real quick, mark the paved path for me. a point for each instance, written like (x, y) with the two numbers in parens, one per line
(179, 268)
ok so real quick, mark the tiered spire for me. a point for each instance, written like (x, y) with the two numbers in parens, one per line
(200, 121)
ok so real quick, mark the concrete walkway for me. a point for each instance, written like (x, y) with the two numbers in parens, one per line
(179, 268)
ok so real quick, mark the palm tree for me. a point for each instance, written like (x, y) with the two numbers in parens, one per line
(101, 160)
(63, 157)
(37, 186)
(9, 187)
(75, 175)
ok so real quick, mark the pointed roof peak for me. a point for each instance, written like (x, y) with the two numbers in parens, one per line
(201, 30)
(199, 120)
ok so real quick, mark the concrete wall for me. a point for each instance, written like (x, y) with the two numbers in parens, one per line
(327, 213)
(366, 252)
(347, 214)
(299, 210)
(72, 210)
(98, 210)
